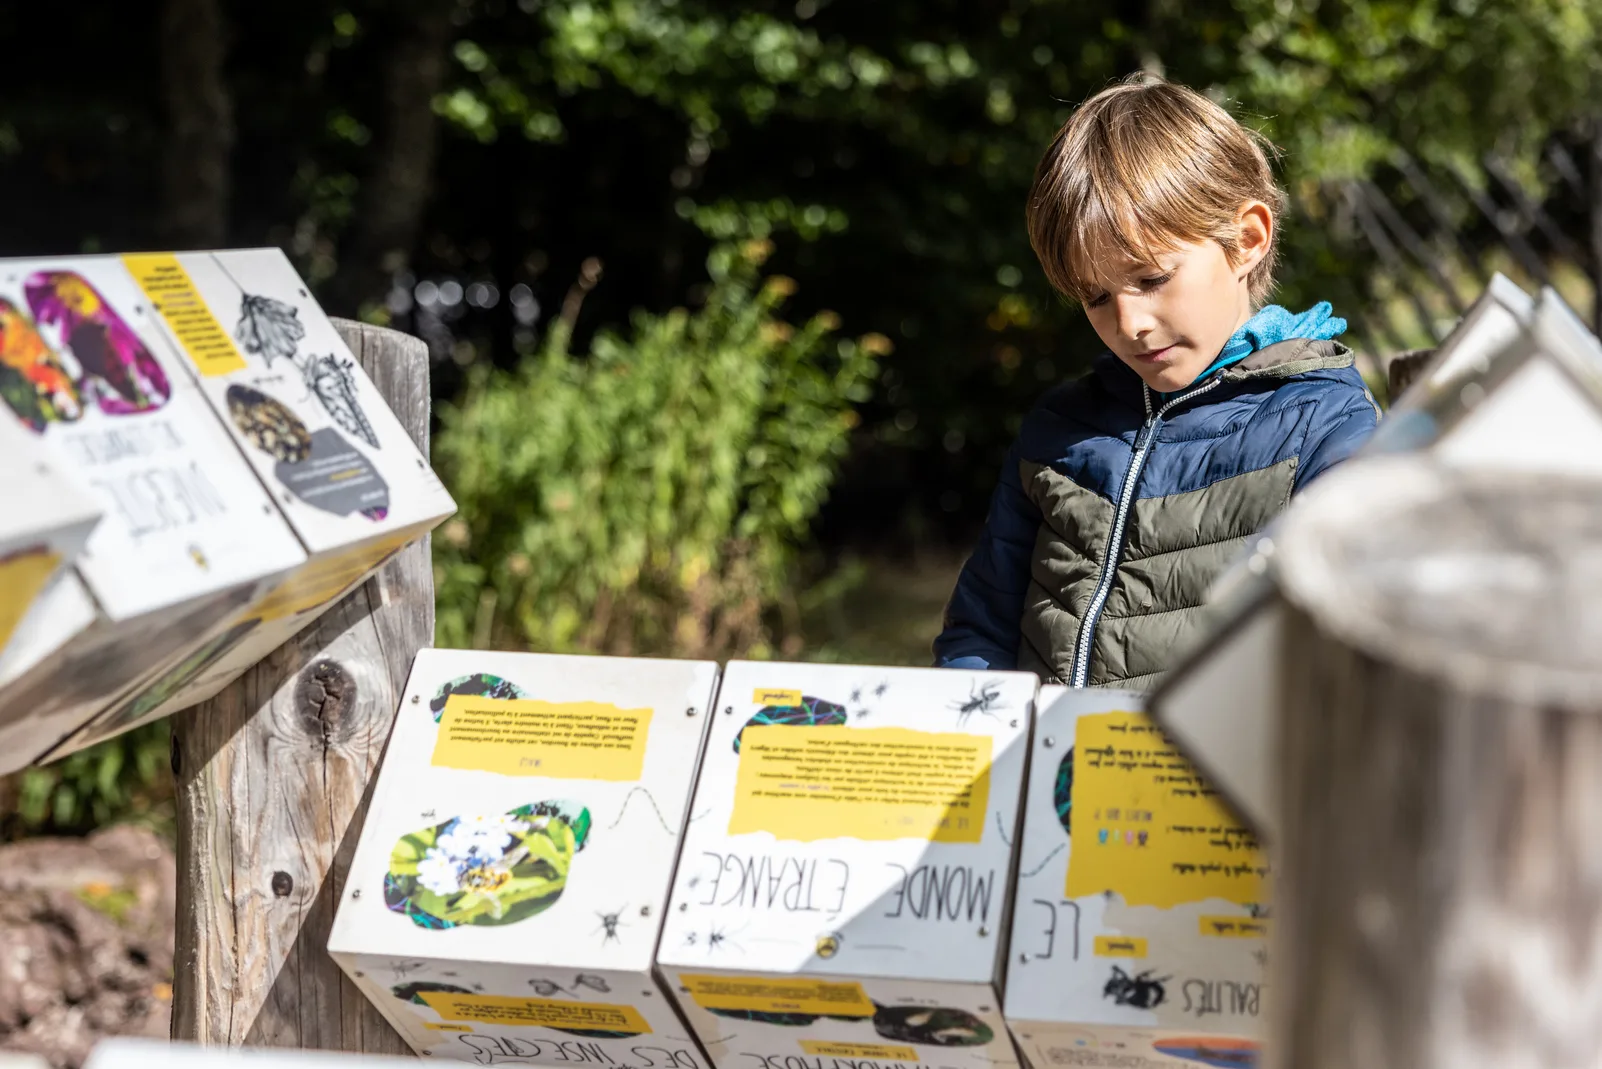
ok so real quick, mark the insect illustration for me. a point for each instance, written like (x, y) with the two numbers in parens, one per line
(985, 699)
(546, 988)
(720, 939)
(334, 382)
(400, 970)
(272, 330)
(610, 923)
(595, 983)
(878, 692)
(268, 328)
(1140, 991)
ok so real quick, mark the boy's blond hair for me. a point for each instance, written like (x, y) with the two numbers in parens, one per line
(1138, 167)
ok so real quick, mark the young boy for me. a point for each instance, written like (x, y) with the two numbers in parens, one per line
(1128, 490)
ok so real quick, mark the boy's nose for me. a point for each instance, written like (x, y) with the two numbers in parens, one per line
(1135, 321)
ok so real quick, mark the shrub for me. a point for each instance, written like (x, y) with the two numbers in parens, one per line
(649, 497)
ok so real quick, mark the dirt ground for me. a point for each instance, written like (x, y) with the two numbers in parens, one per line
(86, 942)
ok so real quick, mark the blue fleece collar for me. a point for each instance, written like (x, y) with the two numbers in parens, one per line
(1276, 324)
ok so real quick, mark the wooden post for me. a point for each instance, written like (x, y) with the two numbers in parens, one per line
(1438, 897)
(273, 777)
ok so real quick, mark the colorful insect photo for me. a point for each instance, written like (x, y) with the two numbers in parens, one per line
(486, 869)
(477, 685)
(114, 365)
(1062, 791)
(34, 383)
(269, 424)
(812, 712)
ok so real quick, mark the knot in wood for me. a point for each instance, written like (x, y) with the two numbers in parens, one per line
(283, 884)
(325, 699)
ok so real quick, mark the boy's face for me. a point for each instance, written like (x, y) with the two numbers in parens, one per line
(1168, 320)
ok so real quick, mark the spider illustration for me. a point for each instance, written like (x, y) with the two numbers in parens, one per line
(689, 939)
(1140, 991)
(984, 700)
(721, 939)
(856, 696)
(878, 692)
(610, 923)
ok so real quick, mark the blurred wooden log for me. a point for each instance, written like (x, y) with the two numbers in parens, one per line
(273, 777)
(1438, 898)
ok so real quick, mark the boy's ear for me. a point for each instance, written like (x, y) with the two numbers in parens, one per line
(1255, 225)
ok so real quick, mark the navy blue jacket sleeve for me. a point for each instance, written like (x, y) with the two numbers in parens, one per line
(1335, 437)
(986, 608)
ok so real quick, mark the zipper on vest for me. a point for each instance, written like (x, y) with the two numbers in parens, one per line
(1115, 541)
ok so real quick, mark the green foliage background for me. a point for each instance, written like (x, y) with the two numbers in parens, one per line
(652, 496)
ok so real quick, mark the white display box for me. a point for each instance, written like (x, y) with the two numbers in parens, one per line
(188, 536)
(513, 872)
(1140, 922)
(842, 897)
(1516, 388)
(45, 521)
(317, 432)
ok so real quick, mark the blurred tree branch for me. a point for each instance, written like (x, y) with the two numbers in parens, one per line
(395, 190)
(196, 181)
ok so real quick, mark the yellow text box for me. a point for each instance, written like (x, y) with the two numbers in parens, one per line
(1234, 927)
(1147, 827)
(536, 1012)
(173, 294)
(564, 740)
(766, 995)
(829, 782)
(858, 1050)
(22, 577)
(1120, 946)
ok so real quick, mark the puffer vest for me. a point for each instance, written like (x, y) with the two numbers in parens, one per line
(1120, 507)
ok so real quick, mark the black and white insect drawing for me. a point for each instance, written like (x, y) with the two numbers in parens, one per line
(721, 939)
(401, 970)
(984, 699)
(610, 923)
(1141, 991)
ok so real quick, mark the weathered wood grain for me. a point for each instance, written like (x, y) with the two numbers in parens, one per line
(1438, 893)
(273, 780)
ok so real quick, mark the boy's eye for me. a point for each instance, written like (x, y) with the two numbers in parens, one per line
(1156, 280)
(1097, 301)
